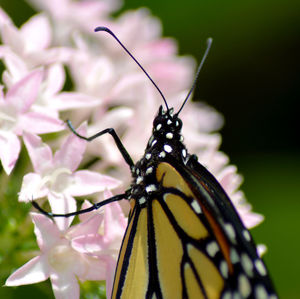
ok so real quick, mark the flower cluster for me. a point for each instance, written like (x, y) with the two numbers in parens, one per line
(108, 90)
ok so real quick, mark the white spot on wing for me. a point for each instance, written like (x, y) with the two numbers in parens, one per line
(230, 231)
(195, 205)
(158, 127)
(227, 295)
(246, 235)
(259, 265)
(224, 269)
(212, 248)
(247, 264)
(148, 156)
(261, 292)
(244, 286)
(236, 295)
(234, 258)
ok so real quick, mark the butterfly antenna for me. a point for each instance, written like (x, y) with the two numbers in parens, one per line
(121, 44)
(208, 46)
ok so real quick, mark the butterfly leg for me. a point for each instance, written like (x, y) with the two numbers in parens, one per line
(95, 206)
(116, 138)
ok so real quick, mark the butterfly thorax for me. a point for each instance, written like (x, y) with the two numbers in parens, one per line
(165, 144)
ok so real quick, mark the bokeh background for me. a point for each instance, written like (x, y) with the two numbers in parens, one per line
(252, 77)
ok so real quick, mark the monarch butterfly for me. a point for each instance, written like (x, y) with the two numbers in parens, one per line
(184, 238)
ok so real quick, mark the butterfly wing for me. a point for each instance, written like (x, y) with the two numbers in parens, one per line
(132, 273)
(187, 241)
(230, 246)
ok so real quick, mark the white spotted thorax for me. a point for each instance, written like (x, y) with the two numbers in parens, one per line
(164, 144)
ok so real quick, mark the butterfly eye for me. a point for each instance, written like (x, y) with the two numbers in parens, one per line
(178, 124)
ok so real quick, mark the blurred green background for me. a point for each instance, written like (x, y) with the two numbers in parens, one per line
(251, 77)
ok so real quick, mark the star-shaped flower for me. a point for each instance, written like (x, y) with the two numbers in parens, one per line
(59, 260)
(32, 42)
(56, 176)
(16, 117)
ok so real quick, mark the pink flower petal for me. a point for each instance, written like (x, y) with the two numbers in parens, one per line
(262, 249)
(71, 152)
(38, 123)
(129, 89)
(4, 18)
(173, 75)
(32, 188)
(46, 231)
(96, 269)
(12, 37)
(88, 182)
(114, 223)
(55, 79)
(83, 217)
(62, 204)
(36, 270)
(250, 219)
(9, 150)
(215, 162)
(49, 56)
(24, 93)
(229, 179)
(39, 152)
(92, 244)
(37, 33)
(115, 118)
(88, 227)
(208, 119)
(65, 286)
(162, 48)
(16, 69)
(92, 8)
(73, 100)
(86, 74)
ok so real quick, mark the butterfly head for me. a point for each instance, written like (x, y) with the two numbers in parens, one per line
(166, 136)
(167, 122)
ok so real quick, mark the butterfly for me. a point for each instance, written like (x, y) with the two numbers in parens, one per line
(184, 238)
